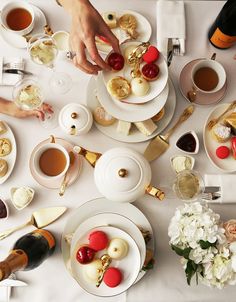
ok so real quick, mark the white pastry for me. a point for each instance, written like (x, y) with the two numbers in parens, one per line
(118, 248)
(139, 86)
(146, 127)
(93, 269)
(21, 196)
(123, 127)
(110, 19)
(221, 133)
(102, 117)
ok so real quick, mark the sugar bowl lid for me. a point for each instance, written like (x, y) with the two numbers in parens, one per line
(75, 119)
(122, 174)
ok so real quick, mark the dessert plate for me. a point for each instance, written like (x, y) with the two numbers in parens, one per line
(143, 28)
(185, 85)
(18, 41)
(129, 265)
(98, 206)
(135, 135)
(156, 87)
(11, 157)
(115, 220)
(73, 171)
(129, 112)
(227, 164)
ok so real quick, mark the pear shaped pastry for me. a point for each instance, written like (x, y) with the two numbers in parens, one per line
(118, 248)
(93, 270)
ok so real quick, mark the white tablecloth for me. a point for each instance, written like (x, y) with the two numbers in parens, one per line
(166, 282)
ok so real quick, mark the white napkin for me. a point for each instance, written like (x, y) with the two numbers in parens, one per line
(170, 24)
(227, 184)
(9, 79)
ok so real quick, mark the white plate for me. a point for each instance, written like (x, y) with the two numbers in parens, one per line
(135, 135)
(10, 158)
(102, 205)
(156, 87)
(129, 265)
(227, 164)
(144, 29)
(18, 41)
(116, 220)
(129, 112)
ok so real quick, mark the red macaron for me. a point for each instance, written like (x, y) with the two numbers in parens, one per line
(151, 55)
(112, 277)
(222, 152)
(98, 240)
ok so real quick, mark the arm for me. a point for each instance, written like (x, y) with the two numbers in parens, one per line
(86, 24)
(10, 108)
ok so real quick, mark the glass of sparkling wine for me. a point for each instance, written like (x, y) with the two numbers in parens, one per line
(188, 185)
(43, 51)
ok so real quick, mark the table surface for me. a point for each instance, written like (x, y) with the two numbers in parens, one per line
(51, 282)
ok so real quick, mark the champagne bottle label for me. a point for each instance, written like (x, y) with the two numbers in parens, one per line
(222, 40)
(48, 236)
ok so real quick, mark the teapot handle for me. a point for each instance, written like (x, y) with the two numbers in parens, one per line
(155, 192)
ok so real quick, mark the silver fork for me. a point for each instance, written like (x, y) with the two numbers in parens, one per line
(13, 65)
(176, 47)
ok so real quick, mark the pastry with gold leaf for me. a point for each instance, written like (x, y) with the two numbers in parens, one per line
(221, 133)
(119, 87)
(230, 121)
(5, 147)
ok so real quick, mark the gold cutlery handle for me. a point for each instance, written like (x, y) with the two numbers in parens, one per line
(183, 117)
(214, 121)
(8, 232)
(63, 186)
(155, 192)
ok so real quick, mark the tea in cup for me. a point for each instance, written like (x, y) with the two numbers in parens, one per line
(51, 161)
(208, 76)
(18, 17)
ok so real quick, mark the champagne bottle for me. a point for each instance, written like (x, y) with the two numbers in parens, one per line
(28, 252)
(222, 33)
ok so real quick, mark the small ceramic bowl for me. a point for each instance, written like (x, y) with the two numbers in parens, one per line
(21, 193)
(188, 142)
(182, 163)
(4, 211)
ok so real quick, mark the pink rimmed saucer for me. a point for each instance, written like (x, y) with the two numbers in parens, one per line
(186, 85)
(73, 171)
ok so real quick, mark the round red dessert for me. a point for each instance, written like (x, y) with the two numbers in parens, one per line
(116, 61)
(98, 240)
(150, 71)
(85, 254)
(112, 277)
(222, 152)
(151, 55)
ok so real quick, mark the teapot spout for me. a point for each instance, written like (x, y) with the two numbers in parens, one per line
(90, 156)
(155, 192)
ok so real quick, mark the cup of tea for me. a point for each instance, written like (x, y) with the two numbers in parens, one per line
(51, 161)
(17, 17)
(208, 76)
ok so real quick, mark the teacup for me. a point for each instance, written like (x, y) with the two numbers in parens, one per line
(208, 76)
(17, 17)
(51, 161)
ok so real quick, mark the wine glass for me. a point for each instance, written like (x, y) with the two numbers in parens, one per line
(28, 95)
(43, 51)
(188, 185)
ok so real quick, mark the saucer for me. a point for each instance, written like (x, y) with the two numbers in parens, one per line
(18, 41)
(73, 171)
(185, 85)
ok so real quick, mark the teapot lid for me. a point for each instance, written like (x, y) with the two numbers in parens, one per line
(74, 116)
(120, 173)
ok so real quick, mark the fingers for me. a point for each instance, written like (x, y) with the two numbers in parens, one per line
(80, 60)
(112, 39)
(40, 115)
(46, 108)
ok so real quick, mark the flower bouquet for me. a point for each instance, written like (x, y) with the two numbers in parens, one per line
(206, 245)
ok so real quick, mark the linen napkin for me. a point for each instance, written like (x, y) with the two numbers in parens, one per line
(170, 24)
(227, 184)
(9, 79)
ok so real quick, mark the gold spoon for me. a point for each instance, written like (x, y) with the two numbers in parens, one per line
(65, 181)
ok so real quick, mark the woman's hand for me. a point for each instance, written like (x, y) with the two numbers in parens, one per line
(87, 23)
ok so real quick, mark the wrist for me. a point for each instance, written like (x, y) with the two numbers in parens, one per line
(73, 6)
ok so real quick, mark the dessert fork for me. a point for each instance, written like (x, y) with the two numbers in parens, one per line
(214, 121)
(211, 196)
(13, 65)
(176, 47)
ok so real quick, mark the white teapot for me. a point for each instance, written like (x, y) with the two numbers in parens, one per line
(75, 119)
(121, 174)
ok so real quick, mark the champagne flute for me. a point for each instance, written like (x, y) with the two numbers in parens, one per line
(43, 51)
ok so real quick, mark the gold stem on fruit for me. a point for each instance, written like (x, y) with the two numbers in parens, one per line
(106, 261)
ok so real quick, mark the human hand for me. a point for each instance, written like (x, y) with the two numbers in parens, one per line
(87, 23)
(39, 113)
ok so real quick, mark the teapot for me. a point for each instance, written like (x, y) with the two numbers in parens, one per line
(75, 119)
(121, 174)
